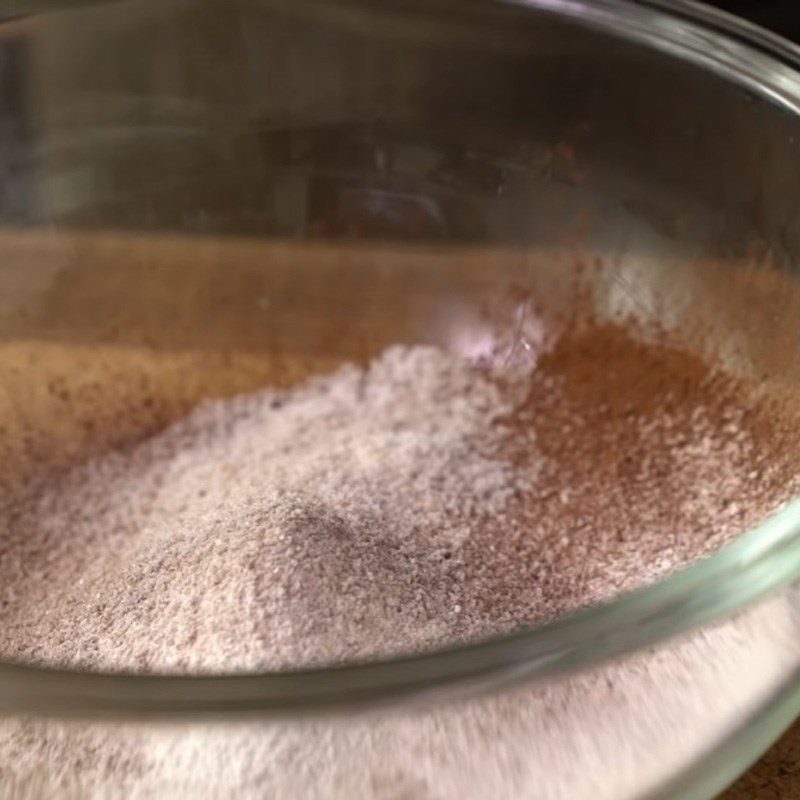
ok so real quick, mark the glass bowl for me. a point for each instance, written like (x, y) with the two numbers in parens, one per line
(200, 198)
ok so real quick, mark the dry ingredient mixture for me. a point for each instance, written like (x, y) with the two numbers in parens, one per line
(420, 501)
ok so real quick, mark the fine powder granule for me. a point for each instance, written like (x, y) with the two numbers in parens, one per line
(418, 502)
(277, 530)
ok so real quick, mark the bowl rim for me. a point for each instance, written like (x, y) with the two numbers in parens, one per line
(760, 562)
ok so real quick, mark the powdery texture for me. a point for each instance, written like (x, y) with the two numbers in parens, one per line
(609, 735)
(272, 530)
(418, 502)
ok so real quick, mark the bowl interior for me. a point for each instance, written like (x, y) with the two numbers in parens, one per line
(351, 175)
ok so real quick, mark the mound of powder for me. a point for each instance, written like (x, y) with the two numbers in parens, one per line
(278, 529)
(420, 501)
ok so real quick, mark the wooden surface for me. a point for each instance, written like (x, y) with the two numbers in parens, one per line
(776, 776)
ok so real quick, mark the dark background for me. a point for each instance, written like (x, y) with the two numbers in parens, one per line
(781, 16)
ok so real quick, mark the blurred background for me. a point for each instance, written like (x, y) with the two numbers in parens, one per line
(782, 16)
